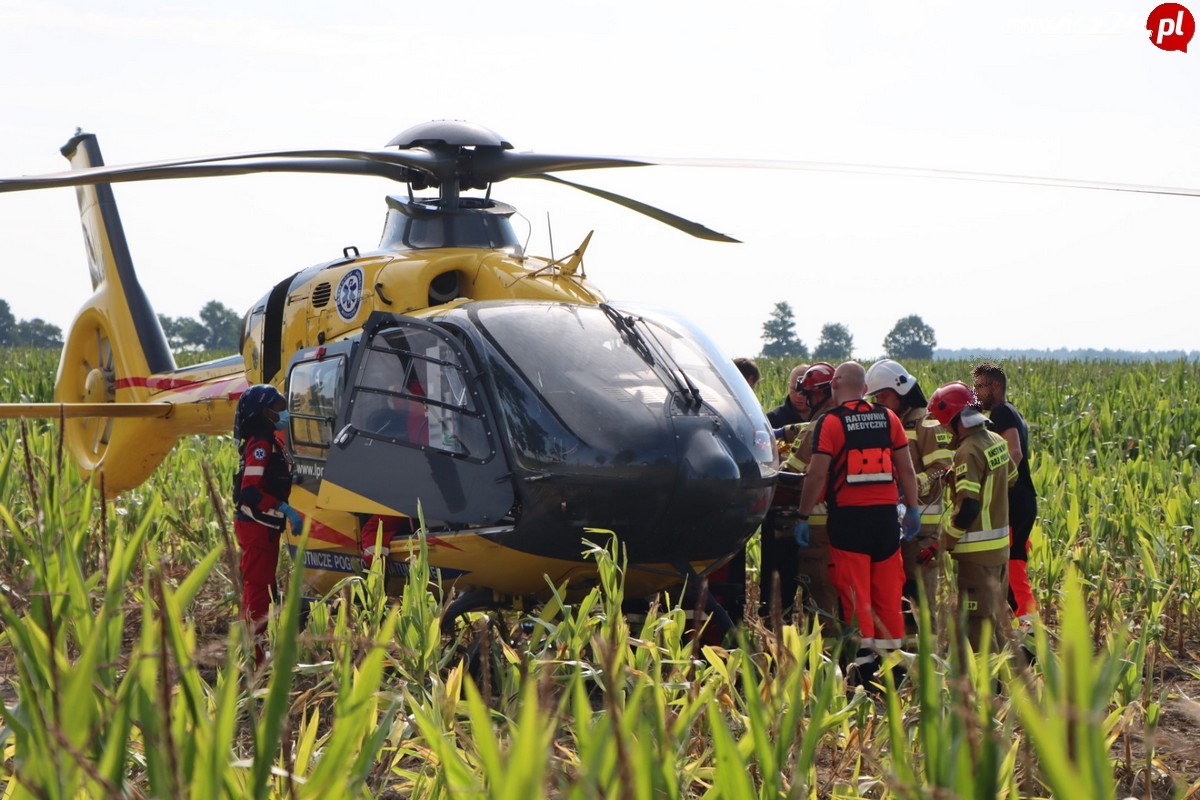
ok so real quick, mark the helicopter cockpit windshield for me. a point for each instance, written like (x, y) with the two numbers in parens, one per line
(609, 383)
(563, 416)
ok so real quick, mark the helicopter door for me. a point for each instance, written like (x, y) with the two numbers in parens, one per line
(416, 426)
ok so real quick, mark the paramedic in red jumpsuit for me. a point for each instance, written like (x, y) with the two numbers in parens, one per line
(261, 489)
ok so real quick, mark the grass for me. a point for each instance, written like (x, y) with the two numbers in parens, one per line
(124, 673)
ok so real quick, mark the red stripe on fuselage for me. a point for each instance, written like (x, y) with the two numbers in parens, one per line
(187, 390)
(327, 533)
(437, 541)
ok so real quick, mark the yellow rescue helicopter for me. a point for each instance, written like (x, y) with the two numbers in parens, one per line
(446, 368)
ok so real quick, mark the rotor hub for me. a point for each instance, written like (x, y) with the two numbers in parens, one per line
(449, 133)
(98, 387)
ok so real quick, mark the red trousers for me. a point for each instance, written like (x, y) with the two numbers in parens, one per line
(260, 558)
(871, 593)
(1021, 598)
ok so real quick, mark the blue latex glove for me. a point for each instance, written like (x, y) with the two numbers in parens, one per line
(293, 516)
(777, 433)
(801, 533)
(912, 523)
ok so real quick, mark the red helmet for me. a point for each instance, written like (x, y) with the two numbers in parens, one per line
(951, 400)
(818, 376)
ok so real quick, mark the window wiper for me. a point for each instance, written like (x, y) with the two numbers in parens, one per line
(689, 390)
(628, 325)
(631, 334)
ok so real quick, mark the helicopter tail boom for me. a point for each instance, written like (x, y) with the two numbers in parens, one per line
(114, 345)
(109, 261)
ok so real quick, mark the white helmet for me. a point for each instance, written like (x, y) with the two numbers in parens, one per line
(887, 374)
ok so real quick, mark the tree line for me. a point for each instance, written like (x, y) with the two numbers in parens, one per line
(910, 339)
(218, 329)
(26, 332)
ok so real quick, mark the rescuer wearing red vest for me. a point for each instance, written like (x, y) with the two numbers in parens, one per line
(862, 467)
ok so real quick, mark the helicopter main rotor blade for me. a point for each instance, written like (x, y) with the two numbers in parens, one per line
(498, 165)
(454, 155)
(474, 156)
(675, 221)
(202, 169)
(478, 167)
(919, 172)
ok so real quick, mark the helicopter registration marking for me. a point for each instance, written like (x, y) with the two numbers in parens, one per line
(349, 294)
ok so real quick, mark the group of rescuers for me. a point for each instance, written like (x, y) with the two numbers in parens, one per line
(890, 484)
(848, 548)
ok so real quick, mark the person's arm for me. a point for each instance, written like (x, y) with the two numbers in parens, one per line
(814, 483)
(1014, 445)
(256, 500)
(935, 457)
(257, 458)
(906, 475)
(968, 481)
(967, 511)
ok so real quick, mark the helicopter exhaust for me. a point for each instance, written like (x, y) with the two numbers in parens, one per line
(444, 288)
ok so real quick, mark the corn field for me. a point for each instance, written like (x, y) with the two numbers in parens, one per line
(124, 671)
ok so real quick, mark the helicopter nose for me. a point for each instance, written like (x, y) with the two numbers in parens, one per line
(709, 472)
(707, 488)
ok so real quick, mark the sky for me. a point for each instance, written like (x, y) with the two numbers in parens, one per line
(1072, 90)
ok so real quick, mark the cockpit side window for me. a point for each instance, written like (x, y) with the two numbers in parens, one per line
(314, 394)
(412, 391)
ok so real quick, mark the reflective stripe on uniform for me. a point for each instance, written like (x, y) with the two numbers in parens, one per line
(937, 455)
(978, 541)
(873, 477)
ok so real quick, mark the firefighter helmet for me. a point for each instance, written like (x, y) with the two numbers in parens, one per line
(818, 376)
(888, 374)
(953, 399)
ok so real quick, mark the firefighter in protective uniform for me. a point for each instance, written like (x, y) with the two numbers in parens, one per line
(812, 554)
(976, 530)
(991, 387)
(894, 387)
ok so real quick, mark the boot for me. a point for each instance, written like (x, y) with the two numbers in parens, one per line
(864, 670)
